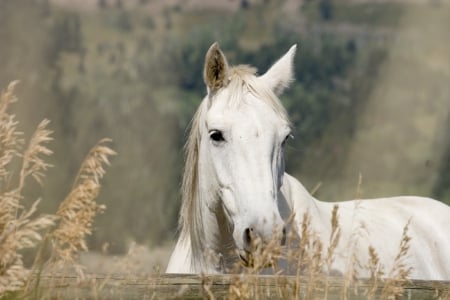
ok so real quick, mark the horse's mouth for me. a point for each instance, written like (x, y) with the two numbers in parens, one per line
(248, 260)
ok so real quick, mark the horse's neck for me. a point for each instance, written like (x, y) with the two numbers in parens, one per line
(193, 254)
(301, 202)
(210, 240)
(297, 197)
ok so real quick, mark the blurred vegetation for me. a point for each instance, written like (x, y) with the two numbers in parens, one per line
(134, 73)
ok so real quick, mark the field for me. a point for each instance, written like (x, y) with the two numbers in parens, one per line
(370, 109)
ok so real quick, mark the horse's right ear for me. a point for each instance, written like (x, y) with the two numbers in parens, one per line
(216, 68)
(280, 75)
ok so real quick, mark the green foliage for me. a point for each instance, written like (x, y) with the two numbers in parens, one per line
(66, 36)
(383, 13)
(187, 57)
(326, 9)
(149, 23)
(377, 13)
(120, 20)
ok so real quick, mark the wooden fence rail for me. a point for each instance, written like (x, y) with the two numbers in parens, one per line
(166, 286)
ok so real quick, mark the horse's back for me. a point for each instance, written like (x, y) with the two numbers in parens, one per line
(428, 226)
(414, 208)
(379, 224)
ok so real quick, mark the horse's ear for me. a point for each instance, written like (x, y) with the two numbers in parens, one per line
(216, 68)
(281, 74)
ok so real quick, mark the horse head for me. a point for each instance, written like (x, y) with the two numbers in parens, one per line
(242, 135)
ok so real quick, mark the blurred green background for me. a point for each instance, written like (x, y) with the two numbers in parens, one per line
(371, 97)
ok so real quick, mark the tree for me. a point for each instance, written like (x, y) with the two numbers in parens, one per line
(326, 9)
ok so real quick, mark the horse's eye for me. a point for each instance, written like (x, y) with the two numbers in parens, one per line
(286, 139)
(216, 136)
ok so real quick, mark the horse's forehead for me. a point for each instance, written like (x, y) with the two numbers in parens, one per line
(248, 112)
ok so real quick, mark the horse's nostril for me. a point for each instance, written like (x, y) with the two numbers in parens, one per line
(248, 237)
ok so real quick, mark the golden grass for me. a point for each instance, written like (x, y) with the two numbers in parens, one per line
(399, 274)
(21, 227)
(78, 210)
(313, 266)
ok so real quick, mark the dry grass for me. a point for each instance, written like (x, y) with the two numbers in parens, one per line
(78, 210)
(399, 274)
(21, 227)
(313, 266)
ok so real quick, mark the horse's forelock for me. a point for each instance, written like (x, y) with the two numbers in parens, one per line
(244, 78)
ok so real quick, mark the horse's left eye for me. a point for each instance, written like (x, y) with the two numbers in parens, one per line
(216, 136)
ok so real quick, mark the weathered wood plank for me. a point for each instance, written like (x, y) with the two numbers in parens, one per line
(169, 286)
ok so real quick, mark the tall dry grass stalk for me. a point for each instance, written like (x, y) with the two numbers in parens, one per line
(376, 272)
(20, 227)
(79, 208)
(399, 274)
(335, 237)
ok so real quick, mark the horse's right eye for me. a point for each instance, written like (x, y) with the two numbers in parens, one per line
(216, 136)
(289, 136)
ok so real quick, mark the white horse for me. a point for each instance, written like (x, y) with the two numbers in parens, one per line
(235, 188)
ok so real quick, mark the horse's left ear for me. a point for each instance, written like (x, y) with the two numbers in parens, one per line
(216, 68)
(281, 74)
